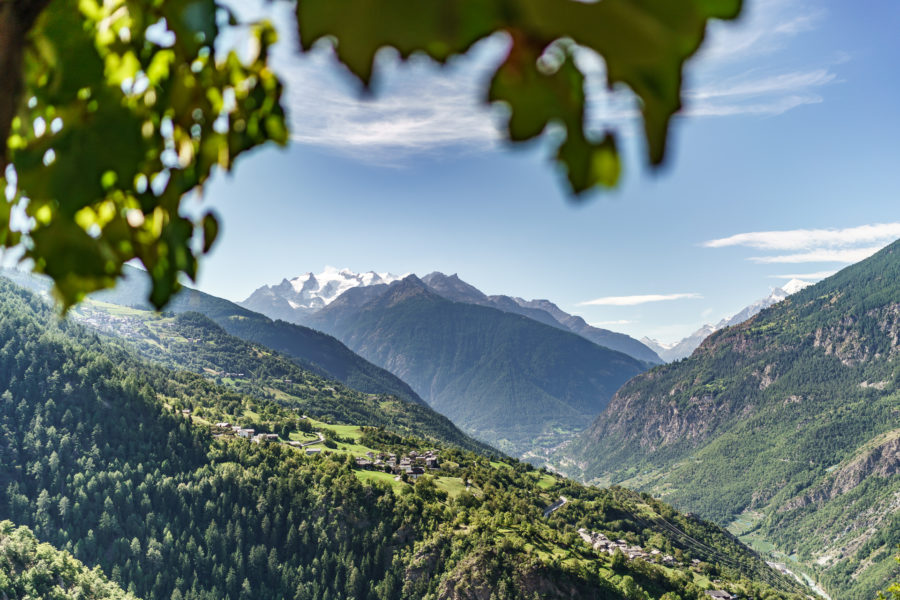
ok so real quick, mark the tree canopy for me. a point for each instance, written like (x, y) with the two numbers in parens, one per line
(115, 111)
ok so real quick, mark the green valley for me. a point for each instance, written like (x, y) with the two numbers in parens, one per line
(126, 465)
(792, 417)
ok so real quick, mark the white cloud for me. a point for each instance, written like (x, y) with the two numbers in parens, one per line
(803, 239)
(419, 107)
(763, 85)
(415, 105)
(847, 256)
(755, 94)
(635, 300)
(816, 275)
(764, 27)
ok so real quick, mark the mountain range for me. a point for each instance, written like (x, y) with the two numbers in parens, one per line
(507, 379)
(141, 475)
(475, 364)
(297, 299)
(684, 347)
(786, 427)
(311, 349)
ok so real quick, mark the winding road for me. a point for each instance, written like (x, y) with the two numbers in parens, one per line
(555, 507)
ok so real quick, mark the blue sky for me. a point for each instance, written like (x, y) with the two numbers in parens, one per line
(790, 127)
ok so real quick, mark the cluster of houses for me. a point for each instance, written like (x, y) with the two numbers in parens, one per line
(115, 324)
(245, 433)
(412, 465)
(600, 542)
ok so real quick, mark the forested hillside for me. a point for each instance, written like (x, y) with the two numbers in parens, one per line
(789, 422)
(511, 381)
(194, 342)
(102, 457)
(32, 570)
(309, 348)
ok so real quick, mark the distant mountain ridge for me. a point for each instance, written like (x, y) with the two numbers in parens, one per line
(684, 347)
(507, 379)
(295, 300)
(128, 467)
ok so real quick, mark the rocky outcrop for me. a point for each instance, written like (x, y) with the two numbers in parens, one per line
(493, 573)
(883, 460)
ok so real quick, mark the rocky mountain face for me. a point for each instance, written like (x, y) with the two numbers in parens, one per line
(686, 346)
(789, 420)
(682, 348)
(310, 292)
(510, 380)
(298, 299)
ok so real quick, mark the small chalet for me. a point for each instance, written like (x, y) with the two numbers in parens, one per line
(719, 594)
(415, 472)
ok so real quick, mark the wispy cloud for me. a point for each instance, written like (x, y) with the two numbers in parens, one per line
(442, 111)
(816, 275)
(765, 27)
(635, 300)
(840, 256)
(757, 94)
(416, 106)
(419, 107)
(804, 239)
(732, 76)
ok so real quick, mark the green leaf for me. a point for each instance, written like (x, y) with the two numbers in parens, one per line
(439, 28)
(644, 44)
(210, 231)
(86, 178)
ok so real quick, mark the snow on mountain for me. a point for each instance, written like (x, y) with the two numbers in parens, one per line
(685, 347)
(318, 290)
(293, 299)
(300, 299)
(795, 285)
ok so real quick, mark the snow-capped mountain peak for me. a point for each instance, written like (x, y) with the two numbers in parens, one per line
(682, 348)
(795, 285)
(312, 291)
(320, 289)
